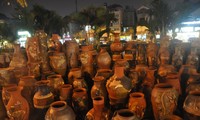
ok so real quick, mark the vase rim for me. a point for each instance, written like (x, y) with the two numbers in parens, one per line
(125, 113)
(68, 86)
(98, 100)
(98, 78)
(163, 86)
(58, 105)
(194, 93)
(137, 95)
(79, 90)
(54, 76)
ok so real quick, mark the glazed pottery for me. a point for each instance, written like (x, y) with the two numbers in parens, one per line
(99, 111)
(191, 105)
(118, 87)
(43, 96)
(99, 88)
(124, 114)
(164, 100)
(71, 49)
(59, 110)
(58, 63)
(103, 59)
(137, 104)
(17, 107)
(74, 73)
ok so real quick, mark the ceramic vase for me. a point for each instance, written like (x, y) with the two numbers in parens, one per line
(58, 63)
(99, 111)
(124, 114)
(66, 93)
(103, 59)
(7, 76)
(71, 49)
(164, 100)
(59, 110)
(137, 104)
(17, 107)
(5, 94)
(43, 96)
(32, 50)
(73, 74)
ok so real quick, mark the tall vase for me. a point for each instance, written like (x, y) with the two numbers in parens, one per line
(118, 87)
(137, 104)
(124, 114)
(66, 93)
(103, 59)
(58, 63)
(71, 49)
(59, 110)
(99, 88)
(17, 107)
(43, 97)
(99, 111)
(164, 100)
(80, 102)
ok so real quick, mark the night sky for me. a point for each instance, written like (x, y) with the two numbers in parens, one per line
(65, 7)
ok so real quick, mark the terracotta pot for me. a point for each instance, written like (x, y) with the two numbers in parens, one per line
(118, 86)
(116, 45)
(7, 76)
(149, 79)
(58, 63)
(55, 81)
(191, 105)
(43, 97)
(57, 44)
(99, 111)
(106, 73)
(124, 114)
(28, 91)
(74, 73)
(164, 100)
(122, 63)
(79, 83)
(3, 113)
(103, 59)
(5, 94)
(99, 88)
(193, 83)
(133, 75)
(46, 74)
(137, 104)
(59, 110)
(80, 102)
(66, 93)
(17, 107)
(71, 49)
(165, 69)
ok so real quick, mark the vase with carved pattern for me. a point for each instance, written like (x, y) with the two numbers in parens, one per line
(164, 100)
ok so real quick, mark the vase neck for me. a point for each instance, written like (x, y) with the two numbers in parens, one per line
(98, 103)
(119, 72)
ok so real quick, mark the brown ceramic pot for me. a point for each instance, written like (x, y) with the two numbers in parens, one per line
(79, 83)
(58, 63)
(6, 94)
(66, 93)
(74, 73)
(137, 104)
(124, 114)
(59, 110)
(57, 45)
(116, 45)
(164, 100)
(103, 59)
(17, 107)
(34, 69)
(193, 83)
(99, 111)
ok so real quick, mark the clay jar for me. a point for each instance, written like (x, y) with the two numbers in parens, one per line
(59, 110)
(79, 83)
(58, 63)
(32, 50)
(43, 97)
(103, 59)
(191, 105)
(164, 100)
(193, 83)
(17, 107)
(66, 93)
(116, 46)
(74, 73)
(99, 111)
(106, 73)
(124, 114)
(71, 49)
(99, 89)
(6, 94)
(137, 104)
